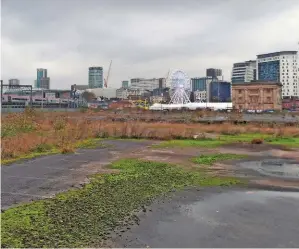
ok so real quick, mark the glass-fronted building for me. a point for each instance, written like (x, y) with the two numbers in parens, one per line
(200, 84)
(220, 91)
(214, 73)
(41, 73)
(95, 77)
(269, 71)
(281, 67)
(244, 72)
(125, 84)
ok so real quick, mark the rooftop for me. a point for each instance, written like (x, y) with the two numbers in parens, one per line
(257, 82)
(259, 56)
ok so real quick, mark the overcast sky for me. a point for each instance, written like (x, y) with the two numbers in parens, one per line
(144, 38)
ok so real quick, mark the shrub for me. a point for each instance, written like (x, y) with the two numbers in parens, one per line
(257, 141)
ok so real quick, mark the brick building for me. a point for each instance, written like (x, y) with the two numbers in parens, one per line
(257, 95)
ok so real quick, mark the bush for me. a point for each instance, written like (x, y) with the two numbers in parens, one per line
(43, 148)
(257, 141)
(59, 124)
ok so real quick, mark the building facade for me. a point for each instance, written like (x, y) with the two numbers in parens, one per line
(220, 91)
(125, 93)
(41, 73)
(95, 77)
(244, 72)
(45, 83)
(125, 84)
(13, 82)
(200, 96)
(280, 67)
(257, 95)
(200, 84)
(162, 83)
(144, 84)
(214, 73)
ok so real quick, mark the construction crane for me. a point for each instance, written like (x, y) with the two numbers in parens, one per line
(106, 80)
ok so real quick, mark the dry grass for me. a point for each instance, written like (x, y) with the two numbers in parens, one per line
(24, 133)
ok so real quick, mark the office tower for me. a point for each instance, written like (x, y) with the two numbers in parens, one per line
(244, 72)
(280, 67)
(95, 77)
(214, 73)
(41, 73)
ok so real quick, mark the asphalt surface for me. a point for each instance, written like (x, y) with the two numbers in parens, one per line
(210, 217)
(274, 167)
(45, 176)
(217, 217)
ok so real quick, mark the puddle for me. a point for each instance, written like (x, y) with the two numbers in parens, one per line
(274, 167)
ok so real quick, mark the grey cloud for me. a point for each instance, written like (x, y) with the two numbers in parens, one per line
(100, 30)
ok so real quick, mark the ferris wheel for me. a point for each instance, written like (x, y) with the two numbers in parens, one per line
(179, 83)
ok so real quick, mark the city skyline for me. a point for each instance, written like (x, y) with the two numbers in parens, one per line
(177, 36)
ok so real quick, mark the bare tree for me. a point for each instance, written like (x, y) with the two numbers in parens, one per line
(88, 96)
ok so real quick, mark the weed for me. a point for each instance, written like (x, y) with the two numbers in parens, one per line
(59, 124)
(210, 159)
(67, 148)
(90, 143)
(21, 133)
(43, 148)
(85, 217)
(209, 143)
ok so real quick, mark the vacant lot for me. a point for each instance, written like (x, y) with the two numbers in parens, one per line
(32, 133)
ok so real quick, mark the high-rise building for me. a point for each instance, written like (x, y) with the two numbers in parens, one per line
(244, 72)
(200, 84)
(280, 67)
(95, 77)
(13, 82)
(41, 73)
(214, 73)
(45, 83)
(125, 84)
(162, 83)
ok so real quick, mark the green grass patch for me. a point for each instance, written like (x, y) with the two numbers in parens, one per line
(91, 143)
(285, 141)
(209, 143)
(10, 130)
(28, 156)
(245, 137)
(85, 217)
(229, 139)
(210, 159)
